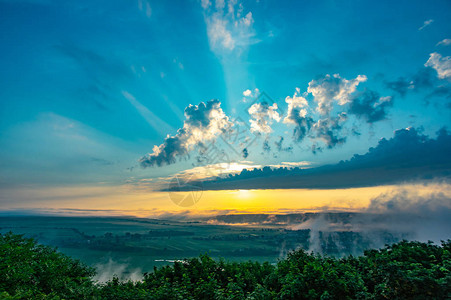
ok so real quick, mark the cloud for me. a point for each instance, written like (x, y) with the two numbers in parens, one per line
(332, 89)
(332, 93)
(444, 42)
(209, 171)
(328, 130)
(423, 211)
(262, 116)
(370, 106)
(228, 28)
(410, 201)
(218, 34)
(442, 92)
(205, 3)
(441, 64)
(425, 80)
(407, 157)
(247, 93)
(297, 163)
(144, 5)
(280, 147)
(425, 24)
(203, 122)
(297, 115)
(250, 94)
(245, 153)
(106, 271)
(400, 85)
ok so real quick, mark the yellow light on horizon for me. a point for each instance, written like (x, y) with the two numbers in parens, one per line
(123, 200)
(244, 194)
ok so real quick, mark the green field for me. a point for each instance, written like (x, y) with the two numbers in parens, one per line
(125, 246)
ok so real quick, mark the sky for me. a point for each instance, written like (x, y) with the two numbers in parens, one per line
(114, 106)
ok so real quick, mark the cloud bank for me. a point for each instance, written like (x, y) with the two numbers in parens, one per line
(407, 157)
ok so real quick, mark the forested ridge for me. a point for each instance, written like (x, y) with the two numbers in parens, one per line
(405, 270)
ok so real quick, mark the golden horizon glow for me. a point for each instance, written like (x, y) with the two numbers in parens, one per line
(126, 201)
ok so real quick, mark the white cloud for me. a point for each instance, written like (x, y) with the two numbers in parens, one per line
(247, 93)
(203, 123)
(205, 3)
(247, 20)
(178, 63)
(218, 33)
(147, 8)
(441, 64)
(444, 42)
(426, 23)
(297, 163)
(250, 95)
(220, 4)
(333, 88)
(262, 115)
(297, 107)
(215, 170)
(297, 115)
(228, 29)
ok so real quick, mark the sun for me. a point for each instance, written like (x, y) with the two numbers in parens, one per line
(244, 194)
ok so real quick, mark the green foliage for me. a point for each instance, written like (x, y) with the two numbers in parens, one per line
(406, 270)
(32, 271)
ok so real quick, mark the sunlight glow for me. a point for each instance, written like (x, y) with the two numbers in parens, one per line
(244, 194)
(119, 201)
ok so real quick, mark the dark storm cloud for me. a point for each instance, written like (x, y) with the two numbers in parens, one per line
(408, 156)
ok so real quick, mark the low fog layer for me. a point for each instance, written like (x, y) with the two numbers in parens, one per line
(390, 217)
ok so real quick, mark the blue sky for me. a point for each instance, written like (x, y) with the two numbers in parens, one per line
(88, 88)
